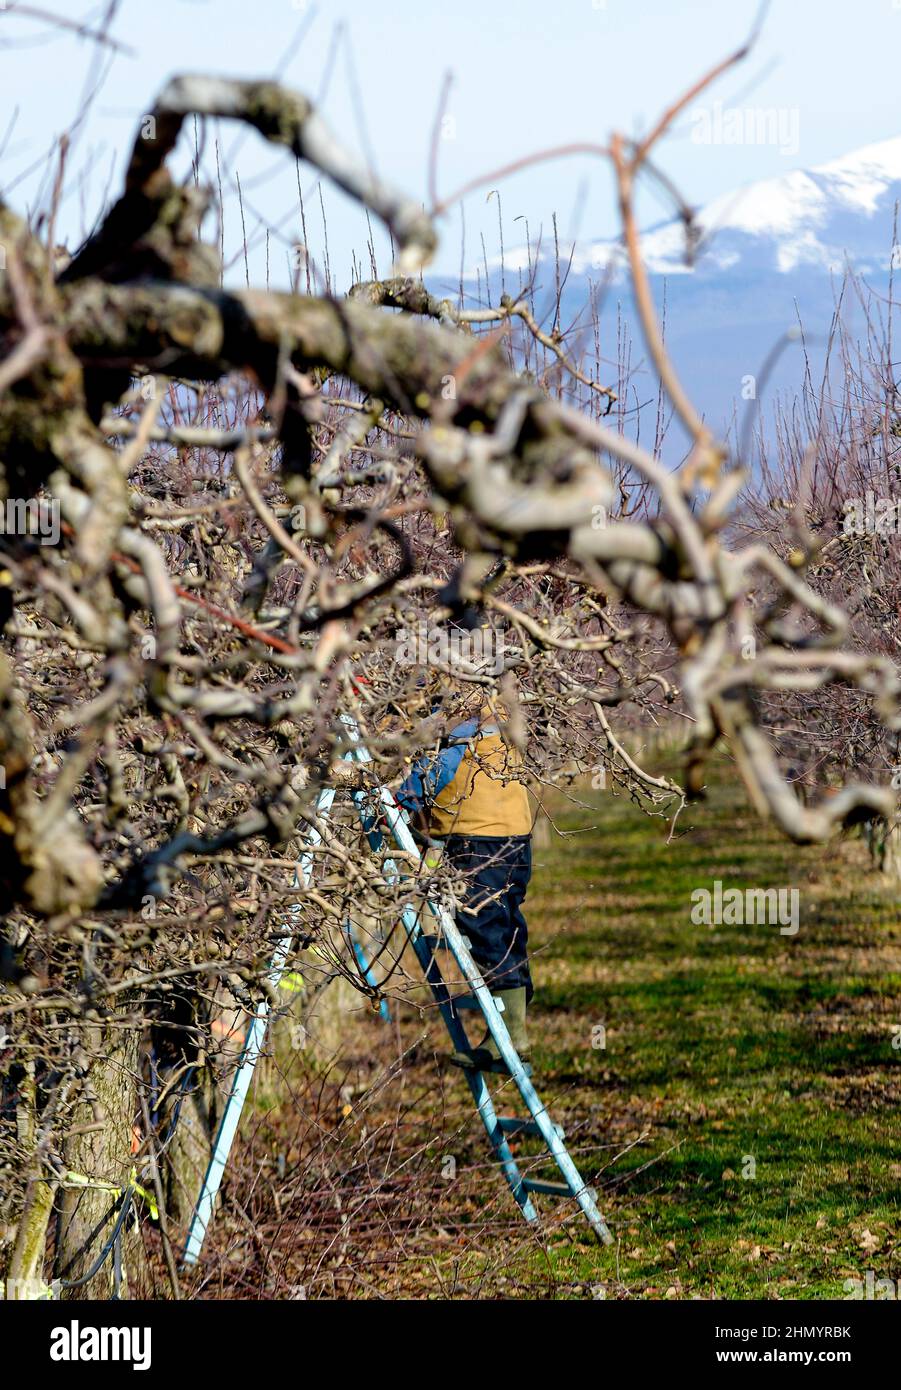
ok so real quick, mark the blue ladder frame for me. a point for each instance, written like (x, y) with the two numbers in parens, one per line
(247, 1060)
(497, 1127)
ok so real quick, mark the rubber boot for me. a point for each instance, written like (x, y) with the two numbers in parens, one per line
(485, 1056)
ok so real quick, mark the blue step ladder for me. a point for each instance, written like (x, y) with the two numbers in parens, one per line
(499, 1128)
(375, 808)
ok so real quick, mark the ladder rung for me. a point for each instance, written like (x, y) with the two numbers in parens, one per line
(511, 1124)
(553, 1189)
(496, 1068)
(469, 1001)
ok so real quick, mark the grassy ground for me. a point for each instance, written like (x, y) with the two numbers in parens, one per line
(755, 1070)
(741, 1120)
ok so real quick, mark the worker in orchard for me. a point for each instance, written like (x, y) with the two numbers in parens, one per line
(468, 797)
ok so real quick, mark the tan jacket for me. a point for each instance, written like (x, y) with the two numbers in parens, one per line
(483, 797)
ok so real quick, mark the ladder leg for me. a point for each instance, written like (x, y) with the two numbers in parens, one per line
(476, 1081)
(578, 1188)
(244, 1071)
(496, 1026)
(488, 1115)
(365, 968)
(225, 1135)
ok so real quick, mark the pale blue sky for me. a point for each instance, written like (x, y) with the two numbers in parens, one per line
(527, 74)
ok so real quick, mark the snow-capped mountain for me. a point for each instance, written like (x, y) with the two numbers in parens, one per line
(771, 256)
(822, 218)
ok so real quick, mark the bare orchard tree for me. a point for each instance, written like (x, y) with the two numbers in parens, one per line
(271, 518)
(830, 482)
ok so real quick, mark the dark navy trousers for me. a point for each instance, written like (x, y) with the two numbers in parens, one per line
(497, 872)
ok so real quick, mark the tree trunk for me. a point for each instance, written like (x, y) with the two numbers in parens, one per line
(884, 840)
(25, 1276)
(541, 832)
(189, 1150)
(100, 1151)
(891, 850)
